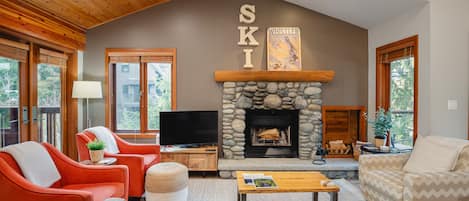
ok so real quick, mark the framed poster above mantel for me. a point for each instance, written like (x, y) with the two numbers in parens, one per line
(283, 49)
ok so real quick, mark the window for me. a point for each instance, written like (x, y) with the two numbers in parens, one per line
(127, 97)
(402, 100)
(397, 88)
(143, 83)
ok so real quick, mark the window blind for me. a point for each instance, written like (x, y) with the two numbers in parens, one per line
(157, 59)
(138, 59)
(396, 55)
(14, 50)
(52, 57)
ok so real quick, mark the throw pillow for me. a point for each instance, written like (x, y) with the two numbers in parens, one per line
(434, 154)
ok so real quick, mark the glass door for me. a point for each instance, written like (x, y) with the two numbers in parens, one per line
(9, 101)
(32, 88)
(49, 104)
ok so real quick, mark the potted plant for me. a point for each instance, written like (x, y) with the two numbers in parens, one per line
(96, 149)
(382, 125)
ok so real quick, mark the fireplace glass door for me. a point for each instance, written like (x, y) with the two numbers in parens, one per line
(271, 133)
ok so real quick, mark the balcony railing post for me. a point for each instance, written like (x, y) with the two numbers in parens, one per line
(50, 130)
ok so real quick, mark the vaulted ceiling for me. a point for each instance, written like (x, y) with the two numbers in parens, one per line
(87, 14)
(65, 22)
(363, 13)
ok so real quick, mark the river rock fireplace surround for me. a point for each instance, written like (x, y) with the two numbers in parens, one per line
(272, 92)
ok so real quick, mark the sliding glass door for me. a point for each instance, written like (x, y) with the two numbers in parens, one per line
(9, 101)
(32, 88)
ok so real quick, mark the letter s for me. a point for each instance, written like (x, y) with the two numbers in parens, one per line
(247, 15)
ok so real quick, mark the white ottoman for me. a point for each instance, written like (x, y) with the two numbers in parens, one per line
(167, 182)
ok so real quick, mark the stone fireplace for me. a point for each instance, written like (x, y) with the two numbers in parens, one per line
(273, 137)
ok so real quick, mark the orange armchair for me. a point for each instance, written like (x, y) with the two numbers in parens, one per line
(138, 157)
(78, 183)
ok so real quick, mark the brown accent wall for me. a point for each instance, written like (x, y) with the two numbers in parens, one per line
(205, 34)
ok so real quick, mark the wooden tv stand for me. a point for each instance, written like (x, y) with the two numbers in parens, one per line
(196, 159)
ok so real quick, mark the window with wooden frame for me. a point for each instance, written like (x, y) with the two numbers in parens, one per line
(141, 83)
(397, 87)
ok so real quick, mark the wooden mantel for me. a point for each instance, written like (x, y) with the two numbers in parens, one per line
(272, 76)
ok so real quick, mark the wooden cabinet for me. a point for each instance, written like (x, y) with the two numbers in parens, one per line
(196, 159)
(346, 123)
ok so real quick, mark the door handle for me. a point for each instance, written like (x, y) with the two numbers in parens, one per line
(34, 111)
(1, 131)
(25, 115)
(4, 142)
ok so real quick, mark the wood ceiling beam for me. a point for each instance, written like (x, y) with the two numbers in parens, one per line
(43, 12)
(15, 17)
(88, 14)
(64, 22)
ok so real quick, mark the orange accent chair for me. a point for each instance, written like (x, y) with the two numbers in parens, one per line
(78, 183)
(138, 157)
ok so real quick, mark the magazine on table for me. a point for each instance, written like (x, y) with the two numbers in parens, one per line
(259, 180)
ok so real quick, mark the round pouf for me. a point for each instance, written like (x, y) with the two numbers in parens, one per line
(167, 182)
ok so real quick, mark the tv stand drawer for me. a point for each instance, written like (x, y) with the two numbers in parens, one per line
(196, 159)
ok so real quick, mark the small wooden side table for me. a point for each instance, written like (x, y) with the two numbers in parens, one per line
(377, 150)
(105, 161)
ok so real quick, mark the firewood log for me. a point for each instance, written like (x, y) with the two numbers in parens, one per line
(269, 134)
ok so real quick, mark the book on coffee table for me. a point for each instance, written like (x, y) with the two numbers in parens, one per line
(249, 178)
(265, 182)
(259, 180)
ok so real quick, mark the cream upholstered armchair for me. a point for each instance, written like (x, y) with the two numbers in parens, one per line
(383, 179)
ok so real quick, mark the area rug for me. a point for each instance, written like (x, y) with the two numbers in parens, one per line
(214, 189)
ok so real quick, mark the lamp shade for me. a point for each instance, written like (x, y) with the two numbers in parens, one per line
(87, 89)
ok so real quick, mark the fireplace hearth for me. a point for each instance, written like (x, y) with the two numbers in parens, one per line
(271, 133)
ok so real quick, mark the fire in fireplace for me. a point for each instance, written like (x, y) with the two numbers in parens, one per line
(271, 136)
(271, 133)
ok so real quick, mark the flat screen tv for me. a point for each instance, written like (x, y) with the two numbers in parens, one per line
(189, 128)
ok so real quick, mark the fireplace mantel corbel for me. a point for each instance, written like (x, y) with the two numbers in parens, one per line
(274, 76)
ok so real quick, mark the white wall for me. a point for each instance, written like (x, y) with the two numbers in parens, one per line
(443, 29)
(449, 58)
(413, 22)
(80, 118)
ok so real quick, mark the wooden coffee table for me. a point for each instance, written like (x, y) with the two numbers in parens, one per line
(300, 181)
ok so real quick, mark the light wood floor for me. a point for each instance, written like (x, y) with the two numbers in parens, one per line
(215, 189)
